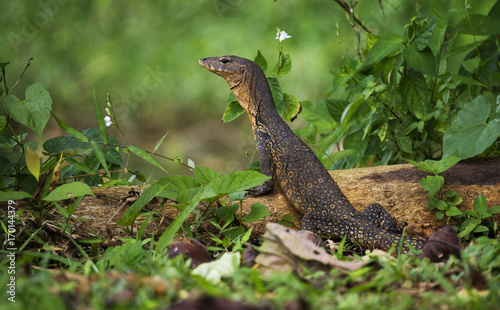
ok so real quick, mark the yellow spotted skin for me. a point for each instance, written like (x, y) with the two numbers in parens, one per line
(295, 168)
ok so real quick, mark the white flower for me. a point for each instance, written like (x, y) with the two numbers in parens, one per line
(108, 121)
(282, 35)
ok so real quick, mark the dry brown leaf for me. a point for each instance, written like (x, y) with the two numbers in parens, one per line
(284, 250)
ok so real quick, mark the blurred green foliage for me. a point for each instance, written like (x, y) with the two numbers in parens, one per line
(145, 55)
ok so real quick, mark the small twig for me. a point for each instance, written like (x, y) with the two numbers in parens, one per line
(153, 153)
(350, 12)
(4, 80)
(19, 79)
(119, 209)
(383, 14)
(390, 110)
(90, 174)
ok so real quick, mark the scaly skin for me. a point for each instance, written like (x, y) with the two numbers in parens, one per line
(296, 169)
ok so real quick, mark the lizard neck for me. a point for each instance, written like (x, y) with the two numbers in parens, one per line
(254, 95)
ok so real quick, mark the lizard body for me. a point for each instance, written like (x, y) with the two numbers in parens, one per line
(295, 168)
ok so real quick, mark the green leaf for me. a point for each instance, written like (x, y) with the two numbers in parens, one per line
(144, 224)
(244, 239)
(292, 107)
(421, 30)
(158, 144)
(405, 144)
(440, 215)
(469, 133)
(100, 155)
(341, 154)
(287, 220)
(147, 195)
(100, 121)
(493, 210)
(441, 10)
(371, 39)
(196, 193)
(257, 211)
(454, 200)
(436, 167)
(205, 175)
(226, 214)
(233, 111)
(284, 65)
(261, 61)
(432, 184)
(421, 61)
(144, 155)
(6, 196)
(169, 234)
(114, 157)
(237, 196)
(437, 40)
(467, 230)
(336, 107)
(237, 181)
(382, 131)
(71, 143)
(472, 64)
(68, 191)
(316, 113)
(277, 93)
(495, 10)
(70, 130)
(232, 234)
(437, 204)
(384, 47)
(3, 122)
(479, 25)
(461, 79)
(350, 111)
(415, 95)
(355, 141)
(464, 48)
(480, 205)
(125, 257)
(78, 165)
(450, 194)
(61, 210)
(453, 211)
(175, 184)
(33, 163)
(480, 229)
(34, 111)
(346, 71)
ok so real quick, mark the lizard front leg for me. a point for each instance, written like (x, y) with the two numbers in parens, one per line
(266, 164)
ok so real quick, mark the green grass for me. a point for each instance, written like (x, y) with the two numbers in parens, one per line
(406, 282)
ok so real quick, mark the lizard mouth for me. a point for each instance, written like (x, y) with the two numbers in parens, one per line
(205, 63)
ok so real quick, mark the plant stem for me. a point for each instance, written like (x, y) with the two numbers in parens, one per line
(19, 79)
(350, 12)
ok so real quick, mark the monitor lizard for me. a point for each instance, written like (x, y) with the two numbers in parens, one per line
(295, 168)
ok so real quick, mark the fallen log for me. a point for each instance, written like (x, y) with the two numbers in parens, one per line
(397, 188)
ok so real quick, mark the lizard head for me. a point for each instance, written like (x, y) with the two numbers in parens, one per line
(231, 68)
(242, 75)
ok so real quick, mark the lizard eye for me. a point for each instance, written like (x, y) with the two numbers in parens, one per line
(224, 60)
